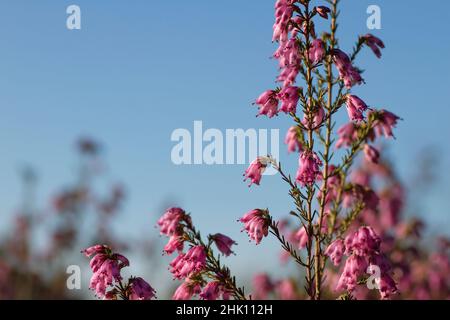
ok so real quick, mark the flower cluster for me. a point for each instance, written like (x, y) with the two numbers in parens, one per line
(363, 251)
(198, 263)
(106, 267)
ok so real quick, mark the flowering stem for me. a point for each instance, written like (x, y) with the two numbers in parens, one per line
(326, 156)
(219, 271)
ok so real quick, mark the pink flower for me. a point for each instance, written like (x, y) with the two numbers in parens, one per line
(289, 58)
(317, 51)
(335, 251)
(268, 103)
(288, 54)
(323, 11)
(223, 243)
(106, 268)
(289, 97)
(213, 290)
(355, 108)
(348, 134)
(387, 286)
(95, 250)
(293, 139)
(169, 223)
(364, 242)
(384, 123)
(354, 267)
(301, 236)
(255, 170)
(175, 243)
(187, 290)
(140, 290)
(374, 43)
(371, 154)
(283, 14)
(262, 286)
(286, 290)
(347, 72)
(186, 264)
(309, 168)
(256, 224)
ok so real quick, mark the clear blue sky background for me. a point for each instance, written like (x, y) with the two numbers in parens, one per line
(140, 69)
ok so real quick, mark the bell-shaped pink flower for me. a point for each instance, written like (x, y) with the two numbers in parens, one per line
(106, 267)
(191, 262)
(354, 267)
(364, 242)
(347, 72)
(213, 290)
(317, 51)
(301, 237)
(268, 103)
(309, 168)
(293, 139)
(284, 10)
(384, 123)
(223, 243)
(289, 97)
(348, 134)
(262, 286)
(140, 289)
(355, 108)
(335, 251)
(169, 223)
(256, 224)
(372, 155)
(176, 243)
(374, 43)
(387, 286)
(286, 290)
(187, 290)
(323, 11)
(255, 170)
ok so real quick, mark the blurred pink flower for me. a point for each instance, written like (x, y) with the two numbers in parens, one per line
(335, 251)
(293, 139)
(371, 154)
(187, 290)
(223, 243)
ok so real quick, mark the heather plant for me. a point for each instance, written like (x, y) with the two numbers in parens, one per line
(326, 201)
(345, 231)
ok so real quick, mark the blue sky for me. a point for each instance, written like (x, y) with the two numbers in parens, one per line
(140, 69)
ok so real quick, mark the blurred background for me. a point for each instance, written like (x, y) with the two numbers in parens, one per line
(87, 116)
